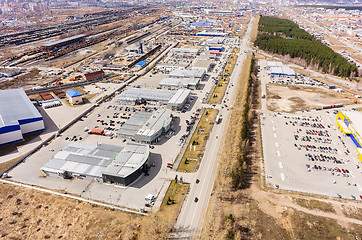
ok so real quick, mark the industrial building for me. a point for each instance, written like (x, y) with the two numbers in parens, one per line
(221, 12)
(269, 64)
(349, 122)
(94, 75)
(185, 51)
(188, 73)
(50, 45)
(178, 100)
(146, 127)
(141, 64)
(278, 69)
(211, 34)
(282, 71)
(103, 162)
(142, 95)
(18, 116)
(176, 83)
(213, 41)
(204, 65)
(74, 97)
(216, 47)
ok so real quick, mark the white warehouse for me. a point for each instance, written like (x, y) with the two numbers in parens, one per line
(18, 116)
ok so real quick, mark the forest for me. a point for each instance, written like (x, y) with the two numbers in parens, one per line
(284, 37)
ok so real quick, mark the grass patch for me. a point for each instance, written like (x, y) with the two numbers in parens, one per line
(314, 205)
(219, 90)
(173, 198)
(191, 158)
(353, 212)
(7, 164)
(306, 226)
(223, 82)
(229, 67)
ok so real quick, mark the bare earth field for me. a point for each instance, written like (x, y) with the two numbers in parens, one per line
(295, 98)
(29, 214)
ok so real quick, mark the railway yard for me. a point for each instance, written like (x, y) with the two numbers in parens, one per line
(125, 76)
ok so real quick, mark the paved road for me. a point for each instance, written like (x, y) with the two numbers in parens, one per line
(189, 223)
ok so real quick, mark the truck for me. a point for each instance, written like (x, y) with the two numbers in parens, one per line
(218, 118)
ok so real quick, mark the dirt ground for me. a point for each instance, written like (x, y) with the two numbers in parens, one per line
(280, 100)
(31, 214)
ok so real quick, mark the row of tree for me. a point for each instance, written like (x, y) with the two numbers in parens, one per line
(240, 171)
(282, 27)
(312, 51)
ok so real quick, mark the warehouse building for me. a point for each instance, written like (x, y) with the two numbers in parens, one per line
(50, 45)
(18, 116)
(178, 101)
(94, 75)
(74, 97)
(147, 127)
(188, 73)
(211, 34)
(349, 122)
(278, 69)
(102, 163)
(213, 41)
(185, 51)
(204, 65)
(142, 95)
(216, 47)
(282, 71)
(177, 83)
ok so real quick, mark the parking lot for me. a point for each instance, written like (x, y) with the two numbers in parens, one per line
(306, 152)
(110, 116)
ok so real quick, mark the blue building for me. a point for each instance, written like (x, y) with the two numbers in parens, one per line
(18, 116)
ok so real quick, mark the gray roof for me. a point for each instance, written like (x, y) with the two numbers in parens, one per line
(185, 50)
(129, 160)
(202, 64)
(90, 160)
(133, 94)
(178, 82)
(15, 105)
(193, 73)
(52, 42)
(159, 119)
(145, 123)
(134, 124)
(180, 96)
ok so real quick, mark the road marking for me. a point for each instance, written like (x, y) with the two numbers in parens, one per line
(275, 135)
(280, 165)
(276, 144)
(278, 153)
(282, 176)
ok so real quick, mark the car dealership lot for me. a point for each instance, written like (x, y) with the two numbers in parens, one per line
(306, 152)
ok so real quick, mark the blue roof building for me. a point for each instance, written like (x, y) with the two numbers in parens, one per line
(74, 97)
(73, 93)
(141, 64)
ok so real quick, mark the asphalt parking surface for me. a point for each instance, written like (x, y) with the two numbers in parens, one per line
(306, 152)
